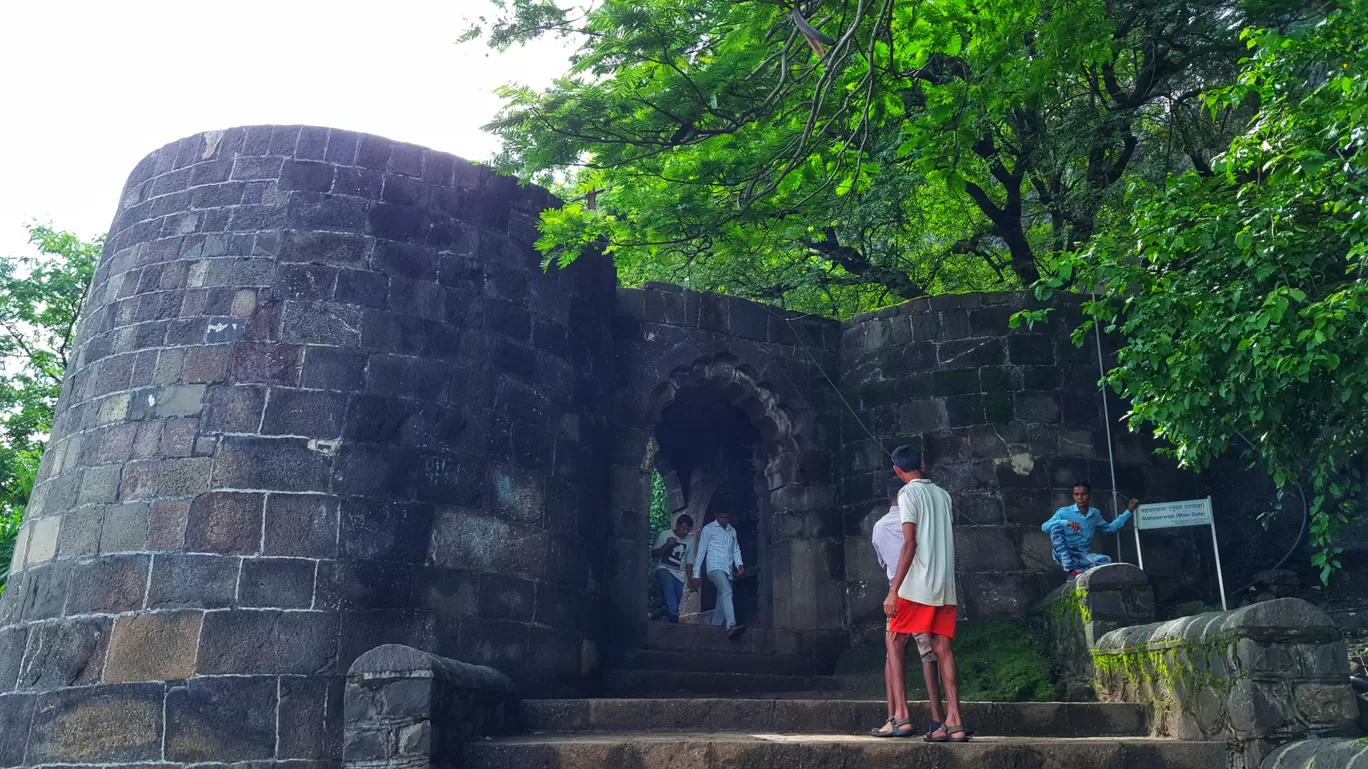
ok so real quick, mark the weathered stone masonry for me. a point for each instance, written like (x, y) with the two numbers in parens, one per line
(325, 398)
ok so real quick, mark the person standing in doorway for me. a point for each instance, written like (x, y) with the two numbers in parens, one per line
(674, 561)
(888, 542)
(718, 554)
(921, 597)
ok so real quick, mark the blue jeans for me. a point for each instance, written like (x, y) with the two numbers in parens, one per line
(673, 589)
(1071, 558)
(724, 613)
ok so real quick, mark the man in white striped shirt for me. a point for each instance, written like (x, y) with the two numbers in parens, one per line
(718, 553)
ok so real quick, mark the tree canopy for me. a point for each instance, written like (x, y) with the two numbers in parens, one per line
(1239, 292)
(840, 155)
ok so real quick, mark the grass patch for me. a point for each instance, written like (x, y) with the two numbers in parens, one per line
(997, 660)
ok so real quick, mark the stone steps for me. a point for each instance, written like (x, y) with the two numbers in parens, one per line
(634, 683)
(827, 716)
(807, 751)
(712, 662)
(664, 636)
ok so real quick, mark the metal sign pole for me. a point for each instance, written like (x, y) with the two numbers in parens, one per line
(1216, 546)
(1138, 557)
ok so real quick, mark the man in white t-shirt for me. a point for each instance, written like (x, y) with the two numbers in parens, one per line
(921, 598)
(674, 562)
(888, 541)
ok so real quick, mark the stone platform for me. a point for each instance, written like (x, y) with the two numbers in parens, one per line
(742, 751)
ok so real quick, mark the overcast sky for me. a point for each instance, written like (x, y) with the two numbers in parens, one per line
(88, 88)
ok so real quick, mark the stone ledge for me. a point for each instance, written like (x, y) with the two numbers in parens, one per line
(1260, 676)
(405, 707)
(1320, 754)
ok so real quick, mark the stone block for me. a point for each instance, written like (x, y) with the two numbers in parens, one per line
(308, 413)
(125, 527)
(385, 531)
(16, 714)
(79, 535)
(184, 580)
(955, 381)
(222, 522)
(234, 409)
(108, 585)
(970, 353)
(118, 724)
(321, 323)
(222, 719)
(278, 464)
(447, 591)
(271, 364)
(42, 540)
(362, 585)
(1037, 407)
(100, 485)
(301, 525)
(464, 539)
(247, 641)
(153, 647)
(166, 525)
(507, 598)
(282, 583)
(1030, 350)
(987, 548)
(64, 653)
(304, 705)
(330, 248)
(962, 410)
(329, 368)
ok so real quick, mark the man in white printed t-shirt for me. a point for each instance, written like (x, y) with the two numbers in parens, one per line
(921, 598)
(674, 563)
(888, 541)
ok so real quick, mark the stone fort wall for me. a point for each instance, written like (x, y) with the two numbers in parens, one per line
(325, 398)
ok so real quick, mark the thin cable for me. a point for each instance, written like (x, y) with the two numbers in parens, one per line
(1111, 458)
(968, 521)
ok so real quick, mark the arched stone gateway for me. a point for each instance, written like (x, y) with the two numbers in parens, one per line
(325, 398)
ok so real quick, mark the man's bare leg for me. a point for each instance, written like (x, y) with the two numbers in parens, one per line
(929, 672)
(898, 646)
(946, 659)
(888, 682)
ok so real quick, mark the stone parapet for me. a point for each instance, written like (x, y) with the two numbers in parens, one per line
(1260, 676)
(407, 708)
(1080, 612)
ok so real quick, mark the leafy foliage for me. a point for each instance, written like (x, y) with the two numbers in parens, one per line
(660, 506)
(924, 147)
(40, 301)
(1239, 291)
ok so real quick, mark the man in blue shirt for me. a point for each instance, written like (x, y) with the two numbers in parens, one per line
(1071, 531)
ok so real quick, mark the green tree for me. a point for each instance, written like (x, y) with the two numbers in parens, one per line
(40, 301)
(1239, 291)
(838, 155)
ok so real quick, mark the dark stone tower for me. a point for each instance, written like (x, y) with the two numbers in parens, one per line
(324, 397)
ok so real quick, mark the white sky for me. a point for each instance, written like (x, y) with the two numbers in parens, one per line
(88, 88)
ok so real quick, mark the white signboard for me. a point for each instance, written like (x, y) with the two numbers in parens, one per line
(1166, 515)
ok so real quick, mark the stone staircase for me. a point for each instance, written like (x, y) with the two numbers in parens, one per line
(784, 733)
(701, 660)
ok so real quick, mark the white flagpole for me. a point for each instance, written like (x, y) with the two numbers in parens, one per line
(1216, 547)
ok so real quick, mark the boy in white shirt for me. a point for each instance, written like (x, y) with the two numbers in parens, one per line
(674, 563)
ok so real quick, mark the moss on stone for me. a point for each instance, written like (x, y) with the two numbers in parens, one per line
(1003, 661)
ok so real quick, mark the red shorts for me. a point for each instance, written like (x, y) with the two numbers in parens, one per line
(912, 617)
